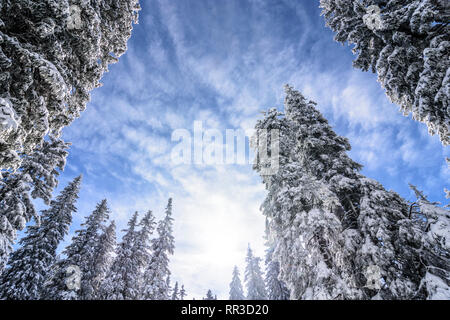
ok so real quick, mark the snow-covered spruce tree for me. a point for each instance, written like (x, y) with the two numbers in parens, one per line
(276, 289)
(155, 284)
(254, 280)
(210, 296)
(236, 290)
(81, 255)
(104, 258)
(175, 293)
(430, 236)
(124, 279)
(142, 249)
(293, 193)
(28, 266)
(182, 292)
(406, 42)
(35, 179)
(168, 286)
(335, 231)
(52, 54)
(383, 228)
(121, 282)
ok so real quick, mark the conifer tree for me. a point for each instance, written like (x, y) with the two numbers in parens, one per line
(182, 292)
(254, 278)
(209, 296)
(337, 234)
(175, 293)
(168, 286)
(406, 42)
(104, 257)
(122, 279)
(430, 238)
(80, 255)
(142, 249)
(276, 289)
(156, 287)
(29, 265)
(292, 193)
(236, 291)
(53, 53)
(35, 179)
(133, 256)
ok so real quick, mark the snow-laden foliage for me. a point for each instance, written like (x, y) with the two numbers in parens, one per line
(336, 233)
(124, 281)
(142, 249)
(254, 281)
(104, 258)
(156, 286)
(29, 265)
(182, 292)
(276, 289)
(407, 43)
(81, 255)
(236, 290)
(210, 296)
(301, 225)
(432, 240)
(35, 179)
(52, 54)
(92, 266)
(178, 293)
(175, 293)
(383, 219)
(121, 282)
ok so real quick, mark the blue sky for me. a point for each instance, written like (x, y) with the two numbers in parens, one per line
(223, 62)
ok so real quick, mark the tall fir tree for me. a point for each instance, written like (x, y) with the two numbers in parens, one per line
(182, 292)
(168, 286)
(254, 277)
(210, 296)
(338, 234)
(292, 193)
(29, 265)
(156, 287)
(175, 293)
(276, 289)
(80, 255)
(52, 54)
(142, 249)
(430, 236)
(125, 278)
(104, 258)
(122, 279)
(406, 43)
(35, 179)
(236, 290)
